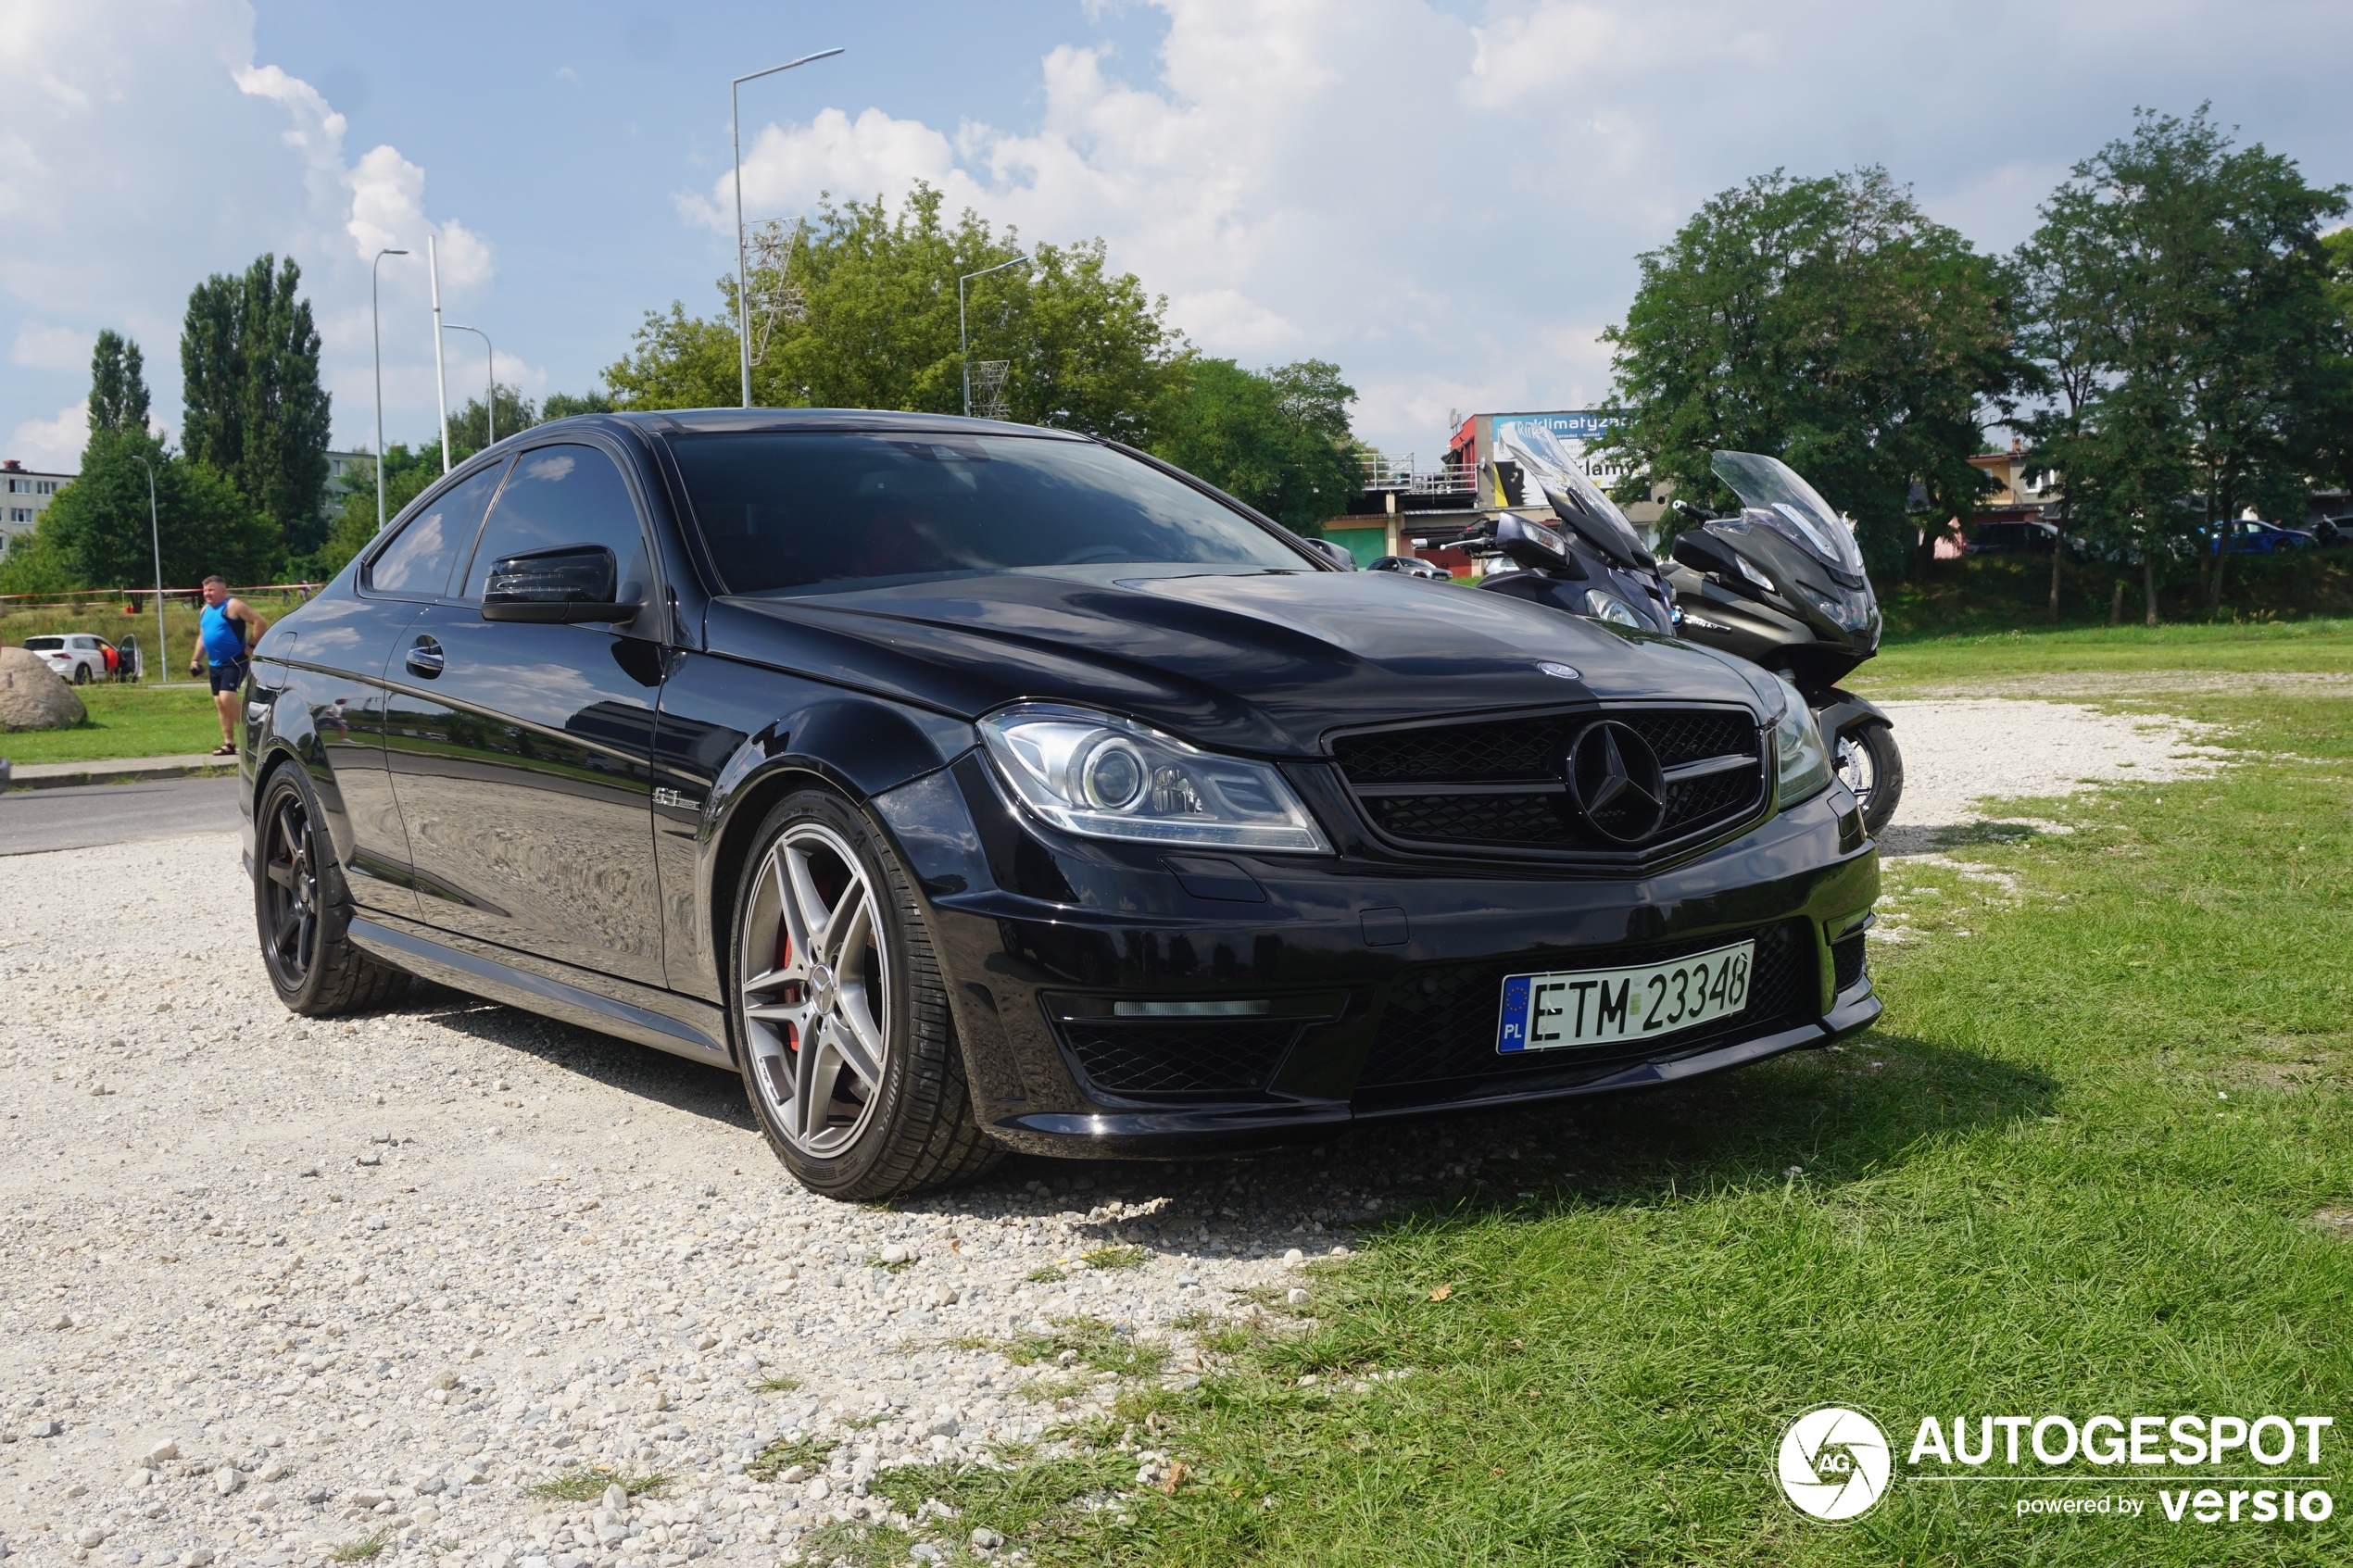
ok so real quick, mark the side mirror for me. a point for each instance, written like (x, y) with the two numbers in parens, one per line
(567, 586)
(1336, 553)
(1536, 548)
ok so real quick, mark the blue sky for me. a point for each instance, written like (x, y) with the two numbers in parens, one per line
(1445, 198)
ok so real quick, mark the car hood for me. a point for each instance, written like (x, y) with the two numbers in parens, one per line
(1256, 662)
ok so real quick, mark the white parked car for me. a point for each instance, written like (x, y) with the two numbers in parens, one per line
(78, 656)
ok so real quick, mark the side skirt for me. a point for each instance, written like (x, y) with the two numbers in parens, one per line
(678, 1024)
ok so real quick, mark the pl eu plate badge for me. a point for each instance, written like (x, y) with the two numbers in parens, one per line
(1515, 1035)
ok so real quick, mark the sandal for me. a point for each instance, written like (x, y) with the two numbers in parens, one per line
(224, 749)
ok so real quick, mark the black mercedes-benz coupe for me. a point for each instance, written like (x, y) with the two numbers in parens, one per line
(969, 787)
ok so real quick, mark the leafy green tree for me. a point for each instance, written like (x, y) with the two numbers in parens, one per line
(1828, 322)
(118, 385)
(254, 408)
(99, 524)
(469, 426)
(2220, 347)
(36, 564)
(1277, 439)
(407, 471)
(857, 309)
(564, 405)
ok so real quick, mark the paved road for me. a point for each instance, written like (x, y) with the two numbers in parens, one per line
(35, 820)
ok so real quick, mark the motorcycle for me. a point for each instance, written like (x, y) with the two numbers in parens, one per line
(1595, 565)
(1782, 585)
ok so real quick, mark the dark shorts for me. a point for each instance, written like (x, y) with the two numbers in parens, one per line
(230, 676)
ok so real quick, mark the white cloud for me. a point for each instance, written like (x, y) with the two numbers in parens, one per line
(51, 348)
(146, 147)
(53, 445)
(1448, 199)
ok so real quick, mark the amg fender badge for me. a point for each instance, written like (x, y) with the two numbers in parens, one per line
(672, 797)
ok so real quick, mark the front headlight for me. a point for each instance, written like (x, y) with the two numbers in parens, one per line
(1106, 777)
(1803, 761)
(1610, 608)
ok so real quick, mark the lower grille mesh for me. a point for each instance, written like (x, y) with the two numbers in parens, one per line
(1440, 1023)
(1847, 955)
(1225, 1057)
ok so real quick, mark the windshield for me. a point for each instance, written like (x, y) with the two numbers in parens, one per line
(788, 512)
(1575, 500)
(1791, 506)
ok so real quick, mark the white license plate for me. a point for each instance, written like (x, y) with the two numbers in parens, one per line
(1595, 1007)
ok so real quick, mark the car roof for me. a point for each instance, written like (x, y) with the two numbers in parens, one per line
(712, 421)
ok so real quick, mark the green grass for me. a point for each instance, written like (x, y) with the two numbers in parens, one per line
(588, 1484)
(1116, 1258)
(2088, 1162)
(779, 1457)
(1047, 1275)
(780, 1382)
(1088, 1343)
(136, 721)
(2149, 656)
(361, 1550)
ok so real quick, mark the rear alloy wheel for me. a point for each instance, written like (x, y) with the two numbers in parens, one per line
(849, 1057)
(302, 909)
(1869, 765)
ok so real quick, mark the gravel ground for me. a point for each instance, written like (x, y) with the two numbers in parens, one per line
(1960, 753)
(277, 1289)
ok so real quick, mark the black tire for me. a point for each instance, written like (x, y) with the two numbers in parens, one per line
(302, 909)
(847, 1120)
(1872, 768)
(81, 675)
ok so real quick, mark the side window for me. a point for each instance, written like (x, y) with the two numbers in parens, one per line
(567, 495)
(418, 559)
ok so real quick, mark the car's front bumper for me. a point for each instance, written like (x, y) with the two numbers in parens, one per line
(1388, 969)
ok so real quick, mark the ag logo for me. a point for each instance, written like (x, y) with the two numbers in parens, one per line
(1834, 1463)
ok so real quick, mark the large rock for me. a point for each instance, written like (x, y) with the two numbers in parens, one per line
(32, 695)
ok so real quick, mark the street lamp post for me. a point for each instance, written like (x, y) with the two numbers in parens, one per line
(743, 280)
(440, 373)
(155, 537)
(490, 398)
(375, 326)
(963, 348)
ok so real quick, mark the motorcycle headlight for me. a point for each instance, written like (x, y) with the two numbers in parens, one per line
(1804, 763)
(1103, 776)
(1850, 612)
(1610, 608)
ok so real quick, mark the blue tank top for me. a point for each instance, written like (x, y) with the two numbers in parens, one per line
(224, 637)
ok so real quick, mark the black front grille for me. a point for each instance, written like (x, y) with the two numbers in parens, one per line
(1441, 1022)
(1846, 954)
(1463, 763)
(1220, 1057)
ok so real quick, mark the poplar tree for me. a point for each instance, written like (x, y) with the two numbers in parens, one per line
(254, 409)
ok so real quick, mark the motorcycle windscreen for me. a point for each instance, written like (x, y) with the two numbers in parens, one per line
(1793, 508)
(1575, 500)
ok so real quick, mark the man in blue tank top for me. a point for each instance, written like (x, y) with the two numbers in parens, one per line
(226, 633)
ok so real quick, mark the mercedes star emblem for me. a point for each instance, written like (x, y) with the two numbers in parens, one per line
(1615, 778)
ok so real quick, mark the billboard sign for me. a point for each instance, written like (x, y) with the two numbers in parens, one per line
(1536, 443)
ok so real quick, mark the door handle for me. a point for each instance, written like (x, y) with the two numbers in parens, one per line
(425, 659)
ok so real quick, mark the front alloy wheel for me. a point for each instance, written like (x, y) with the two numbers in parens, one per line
(816, 990)
(849, 1057)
